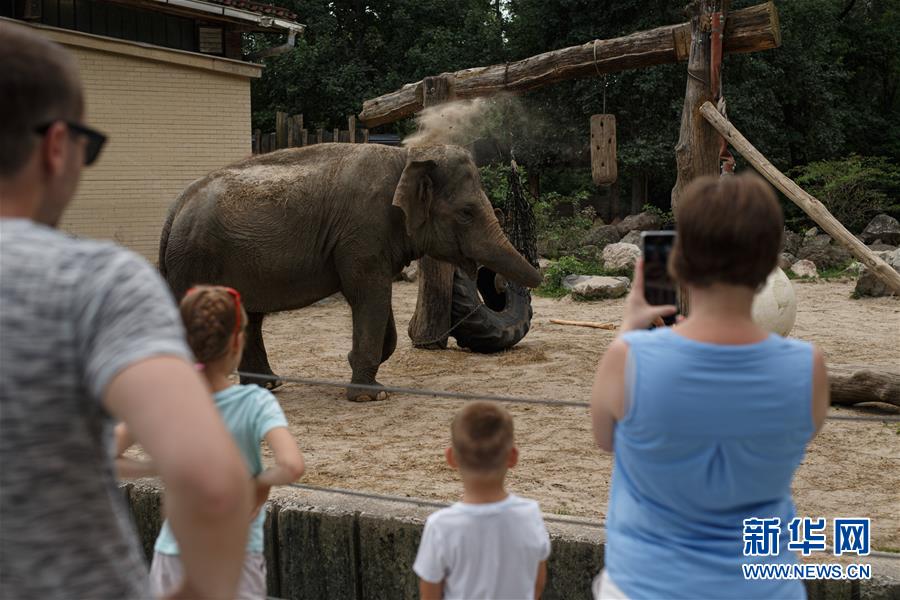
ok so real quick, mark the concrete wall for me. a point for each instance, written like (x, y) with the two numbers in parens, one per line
(171, 117)
(325, 545)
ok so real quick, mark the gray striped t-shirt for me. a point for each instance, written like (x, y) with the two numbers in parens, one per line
(73, 314)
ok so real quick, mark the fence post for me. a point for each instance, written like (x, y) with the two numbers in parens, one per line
(257, 134)
(337, 134)
(297, 121)
(365, 136)
(304, 137)
(351, 128)
(280, 130)
(320, 136)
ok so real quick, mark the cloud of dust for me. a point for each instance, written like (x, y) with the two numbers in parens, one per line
(458, 122)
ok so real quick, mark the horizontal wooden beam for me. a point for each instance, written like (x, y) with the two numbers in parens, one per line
(747, 30)
(810, 205)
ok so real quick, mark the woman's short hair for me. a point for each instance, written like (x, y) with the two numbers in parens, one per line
(729, 231)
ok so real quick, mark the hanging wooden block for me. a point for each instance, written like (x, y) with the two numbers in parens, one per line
(603, 149)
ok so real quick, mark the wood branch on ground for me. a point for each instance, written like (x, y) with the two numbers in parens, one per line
(748, 30)
(592, 324)
(854, 384)
(810, 205)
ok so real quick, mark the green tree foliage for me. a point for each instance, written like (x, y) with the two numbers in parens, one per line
(830, 91)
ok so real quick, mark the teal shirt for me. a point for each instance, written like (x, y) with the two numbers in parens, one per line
(249, 412)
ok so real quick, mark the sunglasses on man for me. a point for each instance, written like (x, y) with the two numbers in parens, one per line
(95, 139)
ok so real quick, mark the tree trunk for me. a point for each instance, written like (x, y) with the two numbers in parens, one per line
(855, 384)
(747, 30)
(697, 151)
(638, 192)
(430, 323)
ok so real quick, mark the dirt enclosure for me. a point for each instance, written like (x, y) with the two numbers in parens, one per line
(396, 447)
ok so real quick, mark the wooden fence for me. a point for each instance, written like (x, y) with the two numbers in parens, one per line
(290, 133)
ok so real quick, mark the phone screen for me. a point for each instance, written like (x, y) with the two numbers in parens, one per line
(659, 288)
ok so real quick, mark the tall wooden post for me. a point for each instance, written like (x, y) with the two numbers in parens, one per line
(430, 323)
(697, 151)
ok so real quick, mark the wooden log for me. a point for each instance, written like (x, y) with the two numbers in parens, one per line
(297, 121)
(697, 150)
(430, 323)
(810, 205)
(592, 324)
(365, 136)
(747, 30)
(351, 128)
(854, 384)
(281, 119)
(304, 137)
(604, 169)
(289, 133)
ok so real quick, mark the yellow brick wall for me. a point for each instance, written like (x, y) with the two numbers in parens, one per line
(168, 124)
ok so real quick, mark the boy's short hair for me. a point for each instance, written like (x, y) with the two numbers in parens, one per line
(38, 83)
(482, 436)
(729, 231)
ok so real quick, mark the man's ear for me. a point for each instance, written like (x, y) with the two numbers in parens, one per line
(513, 458)
(414, 193)
(54, 149)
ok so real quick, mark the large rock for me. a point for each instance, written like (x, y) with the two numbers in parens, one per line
(543, 265)
(804, 268)
(601, 235)
(883, 227)
(589, 252)
(785, 260)
(644, 221)
(775, 306)
(620, 257)
(632, 237)
(821, 250)
(877, 246)
(596, 287)
(549, 247)
(792, 242)
(870, 285)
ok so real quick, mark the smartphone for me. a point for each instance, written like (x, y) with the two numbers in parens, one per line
(659, 288)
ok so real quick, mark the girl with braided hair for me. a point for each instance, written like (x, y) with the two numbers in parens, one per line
(214, 321)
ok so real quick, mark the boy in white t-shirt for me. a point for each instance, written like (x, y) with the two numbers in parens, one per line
(492, 544)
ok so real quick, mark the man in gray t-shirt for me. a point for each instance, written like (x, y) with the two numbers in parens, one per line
(89, 334)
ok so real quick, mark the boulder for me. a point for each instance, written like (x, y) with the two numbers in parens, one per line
(821, 250)
(877, 246)
(804, 268)
(410, 272)
(644, 221)
(620, 257)
(548, 247)
(601, 235)
(870, 285)
(596, 287)
(632, 237)
(811, 232)
(791, 242)
(775, 306)
(883, 227)
(785, 260)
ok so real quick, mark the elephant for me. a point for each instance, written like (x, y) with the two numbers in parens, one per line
(294, 226)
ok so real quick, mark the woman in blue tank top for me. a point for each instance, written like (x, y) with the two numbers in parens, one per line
(708, 419)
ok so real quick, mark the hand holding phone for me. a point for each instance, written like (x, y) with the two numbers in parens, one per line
(659, 287)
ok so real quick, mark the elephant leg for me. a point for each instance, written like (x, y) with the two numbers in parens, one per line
(371, 308)
(255, 359)
(390, 338)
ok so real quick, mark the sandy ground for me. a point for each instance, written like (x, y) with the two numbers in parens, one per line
(395, 447)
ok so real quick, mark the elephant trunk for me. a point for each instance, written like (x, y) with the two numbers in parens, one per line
(496, 253)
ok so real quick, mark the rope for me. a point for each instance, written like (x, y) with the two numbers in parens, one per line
(447, 333)
(549, 518)
(489, 397)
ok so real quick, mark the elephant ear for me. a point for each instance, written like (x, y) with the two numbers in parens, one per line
(414, 193)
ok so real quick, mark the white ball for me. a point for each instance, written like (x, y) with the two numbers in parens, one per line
(775, 306)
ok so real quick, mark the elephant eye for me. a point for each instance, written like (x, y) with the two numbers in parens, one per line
(467, 214)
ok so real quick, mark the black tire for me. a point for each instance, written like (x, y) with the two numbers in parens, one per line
(499, 320)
